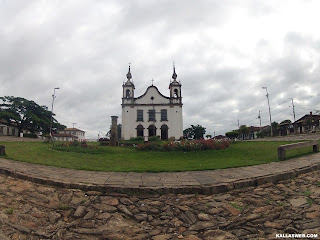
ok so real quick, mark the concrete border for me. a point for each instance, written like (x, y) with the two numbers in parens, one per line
(202, 182)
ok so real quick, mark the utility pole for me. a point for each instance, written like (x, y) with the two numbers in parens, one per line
(294, 116)
(259, 116)
(53, 97)
(271, 134)
(238, 123)
(294, 113)
(73, 125)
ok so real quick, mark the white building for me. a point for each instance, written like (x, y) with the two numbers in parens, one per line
(71, 134)
(65, 137)
(152, 114)
(8, 130)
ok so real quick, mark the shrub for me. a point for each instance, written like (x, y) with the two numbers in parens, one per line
(132, 141)
(30, 135)
(137, 139)
(75, 143)
(84, 145)
(154, 138)
(149, 146)
(185, 146)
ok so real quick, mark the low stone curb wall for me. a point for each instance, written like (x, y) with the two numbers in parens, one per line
(202, 189)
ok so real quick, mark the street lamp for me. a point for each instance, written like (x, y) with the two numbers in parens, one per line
(269, 109)
(53, 97)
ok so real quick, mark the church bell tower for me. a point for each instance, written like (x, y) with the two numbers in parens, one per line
(128, 89)
(175, 89)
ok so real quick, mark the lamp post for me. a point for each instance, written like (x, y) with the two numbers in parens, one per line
(269, 109)
(53, 97)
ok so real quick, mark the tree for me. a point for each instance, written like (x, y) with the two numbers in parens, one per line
(233, 134)
(27, 115)
(243, 131)
(275, 128)
(194, 132)
(208, 136)
(287, 121)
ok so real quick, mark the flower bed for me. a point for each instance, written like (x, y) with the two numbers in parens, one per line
(185, 146)
(75, 146)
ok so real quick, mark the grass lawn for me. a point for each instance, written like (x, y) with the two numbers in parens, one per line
(128, 159)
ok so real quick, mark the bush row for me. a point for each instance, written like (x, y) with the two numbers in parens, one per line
(185, 146)
(75, 146)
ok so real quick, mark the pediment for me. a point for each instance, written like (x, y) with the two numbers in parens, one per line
(152, 96)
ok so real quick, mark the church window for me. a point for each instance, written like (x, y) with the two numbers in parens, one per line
(164, 115)
(139, 115)
(152, 115)
(175, 93)
(127, 93)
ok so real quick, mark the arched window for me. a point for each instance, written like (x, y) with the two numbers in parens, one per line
(175, 93)
(140, 130)
(128, 93)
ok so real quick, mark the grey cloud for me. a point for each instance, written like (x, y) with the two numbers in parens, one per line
(84, 48)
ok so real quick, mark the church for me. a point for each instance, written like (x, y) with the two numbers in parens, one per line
(152, 114)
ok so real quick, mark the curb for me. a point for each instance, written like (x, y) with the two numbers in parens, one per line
(202, 189)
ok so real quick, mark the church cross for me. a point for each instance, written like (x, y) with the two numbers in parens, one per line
(152, 81)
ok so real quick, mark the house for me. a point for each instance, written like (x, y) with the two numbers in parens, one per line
(8, 130)
(71, 134)
(307, 124)
(221, 137)
(286, 128)
(152, 113)
(254, 131)
(65, 137)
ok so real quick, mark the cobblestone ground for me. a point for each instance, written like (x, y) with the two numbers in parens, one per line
(34, 211)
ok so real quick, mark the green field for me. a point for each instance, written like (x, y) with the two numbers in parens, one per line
(128, 159)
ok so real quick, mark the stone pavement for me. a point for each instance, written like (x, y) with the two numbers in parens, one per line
(202, 182)
(32, 211)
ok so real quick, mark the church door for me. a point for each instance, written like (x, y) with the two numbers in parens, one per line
(164, 132)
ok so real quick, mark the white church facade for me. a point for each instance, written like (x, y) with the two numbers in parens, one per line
(152, 114)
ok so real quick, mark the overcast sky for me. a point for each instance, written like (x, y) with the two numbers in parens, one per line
(224, 52)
